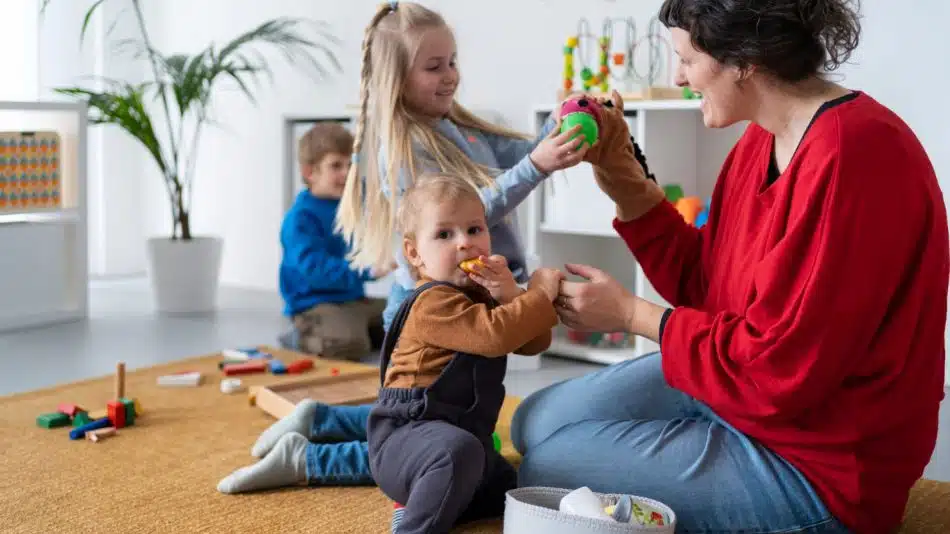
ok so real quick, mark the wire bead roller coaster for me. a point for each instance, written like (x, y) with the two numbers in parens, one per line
(618, 64)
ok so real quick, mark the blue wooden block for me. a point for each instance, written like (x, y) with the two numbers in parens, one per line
(80, 431)
(277, 367)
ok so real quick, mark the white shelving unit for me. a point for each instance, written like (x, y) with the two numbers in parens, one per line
(570, 219)
(44, 266)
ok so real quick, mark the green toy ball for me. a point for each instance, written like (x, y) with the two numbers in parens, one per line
(589, 128)
(496, 440)
(583, 112)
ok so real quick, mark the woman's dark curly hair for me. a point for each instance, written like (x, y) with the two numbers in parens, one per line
(792, 39)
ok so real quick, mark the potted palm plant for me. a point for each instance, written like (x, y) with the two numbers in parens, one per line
(167, 114)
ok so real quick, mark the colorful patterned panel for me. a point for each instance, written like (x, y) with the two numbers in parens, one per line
(30, 171)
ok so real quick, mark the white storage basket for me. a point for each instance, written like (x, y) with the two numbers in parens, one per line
(534, 510)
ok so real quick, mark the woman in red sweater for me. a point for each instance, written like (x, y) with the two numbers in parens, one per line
(801, 368)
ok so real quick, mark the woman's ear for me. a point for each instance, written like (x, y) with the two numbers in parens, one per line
(744, 73)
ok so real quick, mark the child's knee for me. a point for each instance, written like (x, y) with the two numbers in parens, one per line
(465, 456)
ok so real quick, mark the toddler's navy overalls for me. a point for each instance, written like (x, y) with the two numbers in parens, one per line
(431, 448)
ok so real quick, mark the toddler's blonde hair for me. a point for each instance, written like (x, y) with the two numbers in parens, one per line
(366, 216)
(429, 188)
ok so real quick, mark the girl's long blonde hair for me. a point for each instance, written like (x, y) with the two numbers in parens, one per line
(366, 215)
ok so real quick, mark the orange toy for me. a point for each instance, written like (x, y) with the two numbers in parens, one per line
(468, 265)
(689, 208)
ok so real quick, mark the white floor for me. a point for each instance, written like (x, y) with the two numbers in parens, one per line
(122, 326)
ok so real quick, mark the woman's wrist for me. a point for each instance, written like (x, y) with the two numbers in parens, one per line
(644, 318)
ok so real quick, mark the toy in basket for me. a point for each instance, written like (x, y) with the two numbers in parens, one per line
(30, 175)
(582, 511)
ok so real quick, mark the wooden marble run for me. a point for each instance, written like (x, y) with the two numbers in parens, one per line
(120, 412)
(616, 62)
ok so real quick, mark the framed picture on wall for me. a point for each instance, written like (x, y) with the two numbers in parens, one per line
(294, 128)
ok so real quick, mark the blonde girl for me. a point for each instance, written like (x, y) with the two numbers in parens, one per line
(410, 123)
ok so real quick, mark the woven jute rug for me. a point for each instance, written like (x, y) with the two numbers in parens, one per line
(160, 474)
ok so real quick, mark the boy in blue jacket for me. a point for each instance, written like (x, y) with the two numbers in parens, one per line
(323, 295)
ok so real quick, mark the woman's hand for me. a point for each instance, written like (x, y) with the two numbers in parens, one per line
(492, 273)
(616, 169)
(601, 304)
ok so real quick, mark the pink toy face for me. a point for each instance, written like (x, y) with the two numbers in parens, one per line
(583, 105)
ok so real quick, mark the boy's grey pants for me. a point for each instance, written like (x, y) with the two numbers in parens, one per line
(344, 331)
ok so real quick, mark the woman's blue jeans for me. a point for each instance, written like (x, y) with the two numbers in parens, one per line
(622, 429)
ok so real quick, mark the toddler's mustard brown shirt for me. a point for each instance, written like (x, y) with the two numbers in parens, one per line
(445, 320)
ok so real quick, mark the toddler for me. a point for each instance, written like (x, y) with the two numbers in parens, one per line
(444, 360)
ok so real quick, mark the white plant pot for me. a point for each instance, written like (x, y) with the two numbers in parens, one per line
(184, 274)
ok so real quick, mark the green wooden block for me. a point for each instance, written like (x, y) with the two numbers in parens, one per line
(129, 411)
(52, 420)
(81, 418)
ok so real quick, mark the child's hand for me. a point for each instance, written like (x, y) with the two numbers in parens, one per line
(558, 151)
(547, 280)
(493, 274)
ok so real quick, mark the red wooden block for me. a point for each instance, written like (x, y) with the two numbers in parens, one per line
(253, 366)
(299, 366)
(116, 413)
(68, 409)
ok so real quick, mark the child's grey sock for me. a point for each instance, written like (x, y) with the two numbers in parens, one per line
(300, 421)
(285, 465)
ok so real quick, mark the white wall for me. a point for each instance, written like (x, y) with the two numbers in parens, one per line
(509, 63)
(115, 188)
(18, 37)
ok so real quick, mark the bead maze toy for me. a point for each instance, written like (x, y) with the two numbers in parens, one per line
(619, 65)
(30, 173)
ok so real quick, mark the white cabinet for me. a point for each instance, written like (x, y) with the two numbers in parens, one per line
(569, 220)
(43, 266)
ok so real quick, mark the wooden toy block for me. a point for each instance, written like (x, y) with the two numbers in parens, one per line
(116, 413)
(180, 380)
(255, 366)
(80, 432)
(225, 362)
(138, 408)
(277, 367)
(279, 400)
(68, 409)
(81, 418)
(100, 434)
(119, 380)
(129, 411)
(300, 366)
(52, 420)
(231, 354)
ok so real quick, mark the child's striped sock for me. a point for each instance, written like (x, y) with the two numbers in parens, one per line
(398, 511)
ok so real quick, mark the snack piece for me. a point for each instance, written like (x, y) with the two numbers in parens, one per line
(469, 265)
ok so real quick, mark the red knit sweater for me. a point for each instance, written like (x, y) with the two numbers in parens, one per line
(810, 313)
